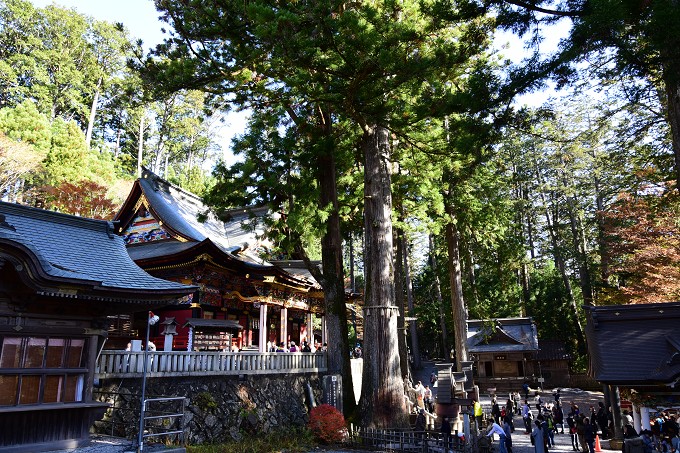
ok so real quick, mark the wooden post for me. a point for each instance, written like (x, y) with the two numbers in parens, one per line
(262, 347)
(284, 325)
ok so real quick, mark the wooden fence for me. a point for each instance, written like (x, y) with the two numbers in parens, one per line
(127, 364)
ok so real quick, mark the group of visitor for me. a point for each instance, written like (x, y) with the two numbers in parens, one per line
(583, 427)
(663, 437)
(424, 398)
(291, 346)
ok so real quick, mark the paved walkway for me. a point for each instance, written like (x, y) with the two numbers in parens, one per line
(521, 442)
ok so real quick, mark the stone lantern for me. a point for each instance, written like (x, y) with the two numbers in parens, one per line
(169, 330)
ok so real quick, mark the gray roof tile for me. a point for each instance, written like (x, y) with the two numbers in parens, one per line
(634, 344)
(512, 335)
(74, 247)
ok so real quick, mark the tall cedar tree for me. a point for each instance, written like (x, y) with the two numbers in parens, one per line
(383, 65)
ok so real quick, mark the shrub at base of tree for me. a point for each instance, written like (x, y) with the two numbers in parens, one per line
(328, 424)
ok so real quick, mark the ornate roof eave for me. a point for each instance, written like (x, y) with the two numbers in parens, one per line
(206, 252)
(31, 273)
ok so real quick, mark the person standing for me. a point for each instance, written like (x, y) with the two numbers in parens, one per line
(420, 395)
(445, 429)
(537, 438)
(603, 420)
(589, 434)
(508, 428)
(495, 411)
(420, 425)
(580, 432)
(526, 416)
(550, 428)
(477, 410)
(427, 398)
(558, 416)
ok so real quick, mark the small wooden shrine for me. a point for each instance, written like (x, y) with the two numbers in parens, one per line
(503, 351)
(171, 234)
(60, 277)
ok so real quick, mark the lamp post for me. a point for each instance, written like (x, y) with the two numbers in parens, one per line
(151, 320)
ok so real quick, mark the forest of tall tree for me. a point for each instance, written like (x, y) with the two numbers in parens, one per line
(390, 136)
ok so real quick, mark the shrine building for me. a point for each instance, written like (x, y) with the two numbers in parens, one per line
(61, 277)
(243, 300)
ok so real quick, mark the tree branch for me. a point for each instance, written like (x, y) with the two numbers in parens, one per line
(538, 9)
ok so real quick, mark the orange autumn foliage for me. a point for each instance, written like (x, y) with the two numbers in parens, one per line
(643, 246)
(327, 423)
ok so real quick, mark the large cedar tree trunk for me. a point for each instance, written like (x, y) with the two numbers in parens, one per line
(333, 280)
(440, 301)
(456, 281)
(382, 402)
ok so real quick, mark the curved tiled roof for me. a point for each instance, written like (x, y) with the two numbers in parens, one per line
(634, 344)
(510, 335)
(235, 233)
(180, 210)
(77, 249)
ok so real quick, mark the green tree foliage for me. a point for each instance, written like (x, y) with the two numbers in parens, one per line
(627, 41)
(26, 124)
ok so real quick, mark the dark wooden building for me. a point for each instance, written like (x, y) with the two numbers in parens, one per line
(61, 276)
(503, 351)
(171, 234)
(634, 350)
(552, 361)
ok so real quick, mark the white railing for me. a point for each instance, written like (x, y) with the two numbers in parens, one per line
(126, 364)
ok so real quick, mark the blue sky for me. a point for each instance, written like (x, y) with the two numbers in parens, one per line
(139, 16)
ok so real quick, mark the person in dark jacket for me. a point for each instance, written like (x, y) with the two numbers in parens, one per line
(445, 429)
(589, 434)
(603, 420)
(420, 425)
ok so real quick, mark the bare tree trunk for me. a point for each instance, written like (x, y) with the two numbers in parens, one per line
(440, 301)
(601, 240)
(413, 327)
(140, 145)
(401, 303)
(673, 112)
(472, 277)
(456, 282)
(334, 287)
(582, 254)
(332, 277)
(559, 261)
(93, 115)
(382, 394)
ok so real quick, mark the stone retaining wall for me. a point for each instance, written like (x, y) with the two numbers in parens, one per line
(217, 409)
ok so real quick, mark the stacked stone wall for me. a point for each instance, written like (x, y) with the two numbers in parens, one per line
(217, 409)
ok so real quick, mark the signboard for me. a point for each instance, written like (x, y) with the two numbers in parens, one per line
(332, 390)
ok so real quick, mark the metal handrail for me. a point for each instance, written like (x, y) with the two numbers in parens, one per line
(164, 415)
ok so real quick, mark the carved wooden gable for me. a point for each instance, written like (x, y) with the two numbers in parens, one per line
(144, 228)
